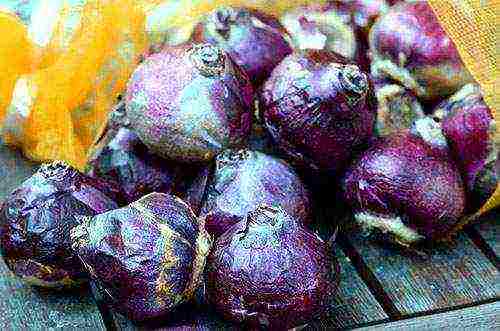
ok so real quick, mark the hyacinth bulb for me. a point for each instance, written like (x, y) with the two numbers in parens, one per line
(318, 107)
(269, 271)
(188, 103)
(254, 40)
(36, 219)
(243, 180)
(470, 129)
(409, 46)
(146, 258)
(406, 188)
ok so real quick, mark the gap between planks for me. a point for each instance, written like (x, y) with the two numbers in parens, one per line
(482, 315)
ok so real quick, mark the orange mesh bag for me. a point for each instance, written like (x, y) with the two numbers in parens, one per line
(57, 111)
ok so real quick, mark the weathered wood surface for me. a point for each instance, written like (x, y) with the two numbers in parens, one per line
(482, 317)
(354, 304)
(489, 229)
(448, 276)
(23, 307)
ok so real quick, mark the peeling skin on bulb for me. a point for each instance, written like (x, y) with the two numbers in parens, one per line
(36, 219)
(148, 257)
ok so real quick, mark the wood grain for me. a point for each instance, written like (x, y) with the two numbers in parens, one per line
(353, 304)
(448, 276)
(23, 307)
(489, 229)
(482, 317)
(27, 308)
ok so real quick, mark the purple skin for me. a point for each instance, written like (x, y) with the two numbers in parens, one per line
(244, 179)
(268, 270)
(470, 128)
(397, 109)
(146, 258)
(35, 221)
(406, 187)
(188, 103)
(255, 41)
(119, 156)
(318, 108)
(409, 46)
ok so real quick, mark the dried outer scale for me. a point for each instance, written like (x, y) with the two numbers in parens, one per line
(36, 218)
(147, 258)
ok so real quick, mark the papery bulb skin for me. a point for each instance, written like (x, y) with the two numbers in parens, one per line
(244, 179)
(35, 222)
(254, 40)
(269, 271)
(319, 108)
(146, 258)
(409, 46)
(337, 26)
(188, 103)
(470, 129)
(406, 188)
(397, 109)
(321, 27)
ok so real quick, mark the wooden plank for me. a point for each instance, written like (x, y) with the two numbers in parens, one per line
(23, 307)
(353, 304)
(482, 317)
(448, 276)
(27, 308)
(489, 229)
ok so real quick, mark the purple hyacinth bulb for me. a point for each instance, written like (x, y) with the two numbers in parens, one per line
(189, 103)
(409, 46)
(470, 129)
(269, 271)
(406, 187)
(36, 219)
(319, 108)
(146, 258)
